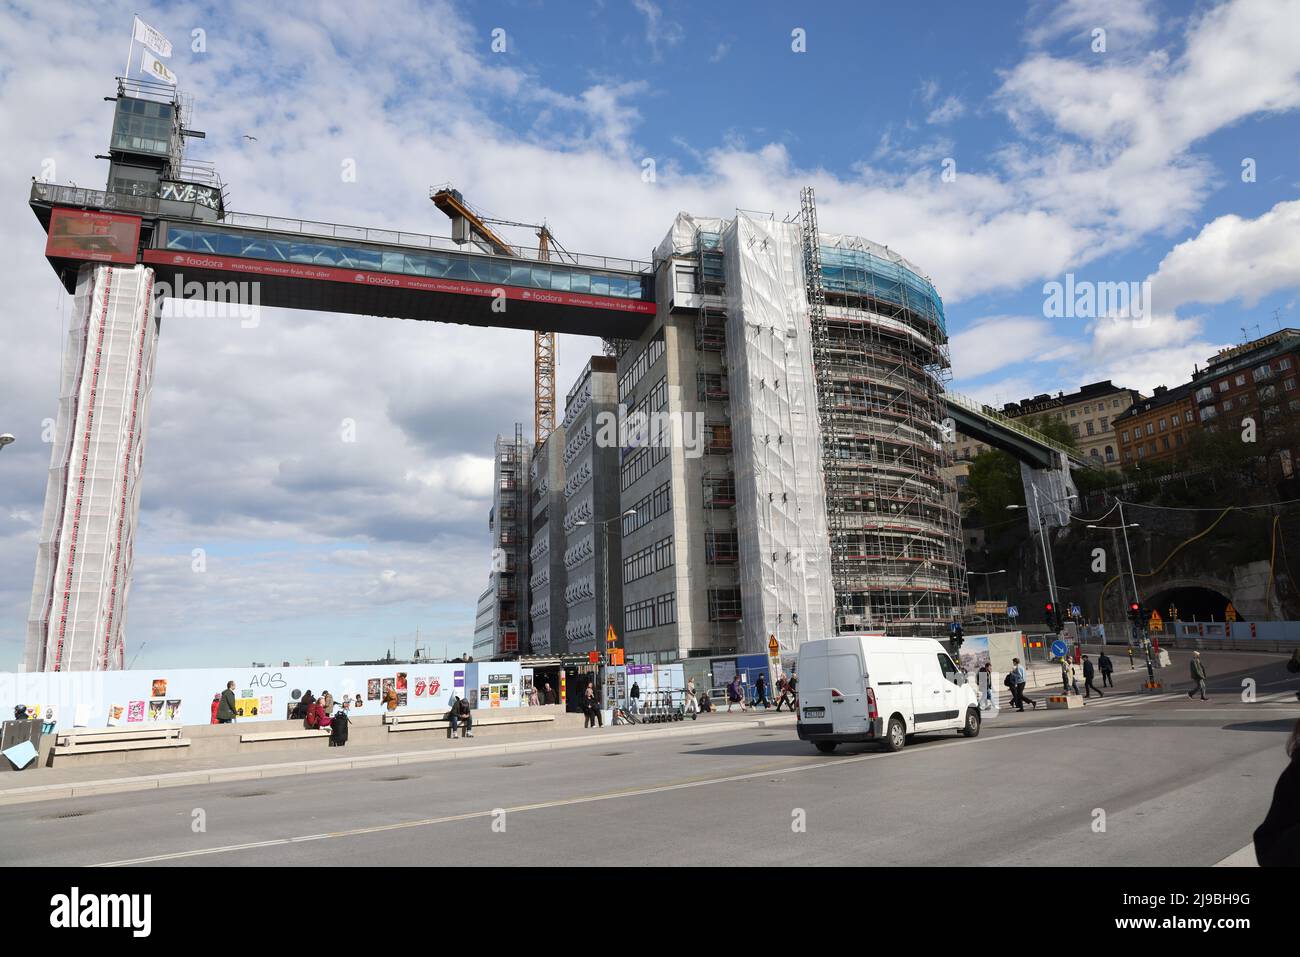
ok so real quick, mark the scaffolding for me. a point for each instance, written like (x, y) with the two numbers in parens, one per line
(717, 481)
(880, 353)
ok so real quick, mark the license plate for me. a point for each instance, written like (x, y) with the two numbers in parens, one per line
(814, 712)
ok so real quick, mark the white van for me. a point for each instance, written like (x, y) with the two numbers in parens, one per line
(875, 688)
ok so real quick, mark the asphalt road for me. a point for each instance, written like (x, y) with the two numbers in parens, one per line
(1175, 782)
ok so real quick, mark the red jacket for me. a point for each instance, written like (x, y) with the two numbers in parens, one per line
(316, 717)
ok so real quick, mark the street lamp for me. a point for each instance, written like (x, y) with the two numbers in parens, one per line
(605, 524)
(1138, 628)
(6, 438)
(1048, 567)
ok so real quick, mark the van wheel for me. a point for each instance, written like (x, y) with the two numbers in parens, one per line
(971, 728)
(825, 747)
(896, 736)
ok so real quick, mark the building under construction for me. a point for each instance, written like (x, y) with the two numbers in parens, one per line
(783, 472)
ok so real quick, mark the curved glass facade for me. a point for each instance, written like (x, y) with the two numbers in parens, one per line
(859, 273)
(434, 263)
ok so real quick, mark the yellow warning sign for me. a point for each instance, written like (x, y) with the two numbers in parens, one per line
(610, 637)
(1157, 623)
(773, 649)
(1230, 613)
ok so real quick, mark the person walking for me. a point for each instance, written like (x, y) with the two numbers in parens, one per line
(1065, 674)
(1104, 663)
(1277, 840)
(1088, 674)
(692, 704)
(760, 691)
(1198, 675)
(735, 694)
(985, 677)
(1130, 657)
(226, 707)
(327, 702)
(1018, 678)
(635, 697)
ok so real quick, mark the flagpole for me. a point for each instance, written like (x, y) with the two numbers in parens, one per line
(126, 74)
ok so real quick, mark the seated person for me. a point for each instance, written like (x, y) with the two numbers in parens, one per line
(316, 716)
(460, 713)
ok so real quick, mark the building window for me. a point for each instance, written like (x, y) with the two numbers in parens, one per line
(1105, 423)
(1088, 426)
(1074, 429)
(1227, 405)
(1223, 386)
(1262, 373)
(1204, 394)
(1110, 454)
(1151, 428)
(1178, 440)
(1164, 439)
(1164, 424)
(1284, 363)
(1124, 438)
(1289, 384)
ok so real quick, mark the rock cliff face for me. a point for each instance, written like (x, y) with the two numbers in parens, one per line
(1195, 560)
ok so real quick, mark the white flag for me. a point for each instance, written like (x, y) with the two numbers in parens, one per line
(154, 67)
(151, 38)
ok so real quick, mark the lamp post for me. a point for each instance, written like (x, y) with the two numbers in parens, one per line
(1139, 629)
(6, 438)
(605, 524)
(1048, 566)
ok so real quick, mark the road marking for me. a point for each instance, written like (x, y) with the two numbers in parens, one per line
(1242, 858)
(593, 798)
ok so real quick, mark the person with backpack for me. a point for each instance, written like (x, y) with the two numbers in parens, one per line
(1198, 675)
(339, 728)
(635, 697)
(226, 707)
(760, 691)
(1088, 674)
(1015, 680)
(1104, 663)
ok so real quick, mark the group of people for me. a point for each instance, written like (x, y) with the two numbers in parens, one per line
(786, 686)
(1070, 682)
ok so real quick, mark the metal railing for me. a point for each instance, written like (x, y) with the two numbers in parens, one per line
(980, 409)
(150, 205)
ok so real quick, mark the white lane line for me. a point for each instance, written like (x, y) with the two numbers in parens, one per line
(591, 799)
(1242, 858)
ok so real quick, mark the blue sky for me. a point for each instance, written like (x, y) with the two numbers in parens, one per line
(1122, 165)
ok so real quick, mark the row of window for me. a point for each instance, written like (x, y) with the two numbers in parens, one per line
(660, 610)
(651, 354)
(641, 462)
(657, 503)
(647, 561)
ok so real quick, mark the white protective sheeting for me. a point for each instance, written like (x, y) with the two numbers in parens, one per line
(784, 542)
(92, 498)
(682, 239)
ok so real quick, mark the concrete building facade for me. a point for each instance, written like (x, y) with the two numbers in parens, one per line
(547, 610)
(501, 624)
(591, 506)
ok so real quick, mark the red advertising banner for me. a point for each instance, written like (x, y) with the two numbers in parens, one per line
(261, 267)
(98, 237)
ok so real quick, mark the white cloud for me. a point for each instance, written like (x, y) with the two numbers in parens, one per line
(947, 111)
(659, 32)
(244, 456)
(1126, 22)
(1232, 258)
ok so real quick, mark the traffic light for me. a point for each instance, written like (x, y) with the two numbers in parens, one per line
(1052, 615)
(1135, 612)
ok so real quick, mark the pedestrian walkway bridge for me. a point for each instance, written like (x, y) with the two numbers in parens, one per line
(300, 264)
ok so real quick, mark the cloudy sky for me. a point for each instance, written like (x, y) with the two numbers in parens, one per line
(1173, 155)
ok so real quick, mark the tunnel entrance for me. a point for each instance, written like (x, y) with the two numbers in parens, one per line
(1189, 603)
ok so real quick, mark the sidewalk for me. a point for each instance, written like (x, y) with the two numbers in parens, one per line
(45, 784)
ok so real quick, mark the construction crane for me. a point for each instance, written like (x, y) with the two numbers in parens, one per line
(470, 226)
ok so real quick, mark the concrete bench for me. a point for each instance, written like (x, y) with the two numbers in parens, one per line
(438, 720)
(102, 740)
(292, 735)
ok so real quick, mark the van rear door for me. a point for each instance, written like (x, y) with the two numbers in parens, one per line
(845, 669)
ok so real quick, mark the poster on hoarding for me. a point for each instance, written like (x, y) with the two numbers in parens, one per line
(98, 237)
